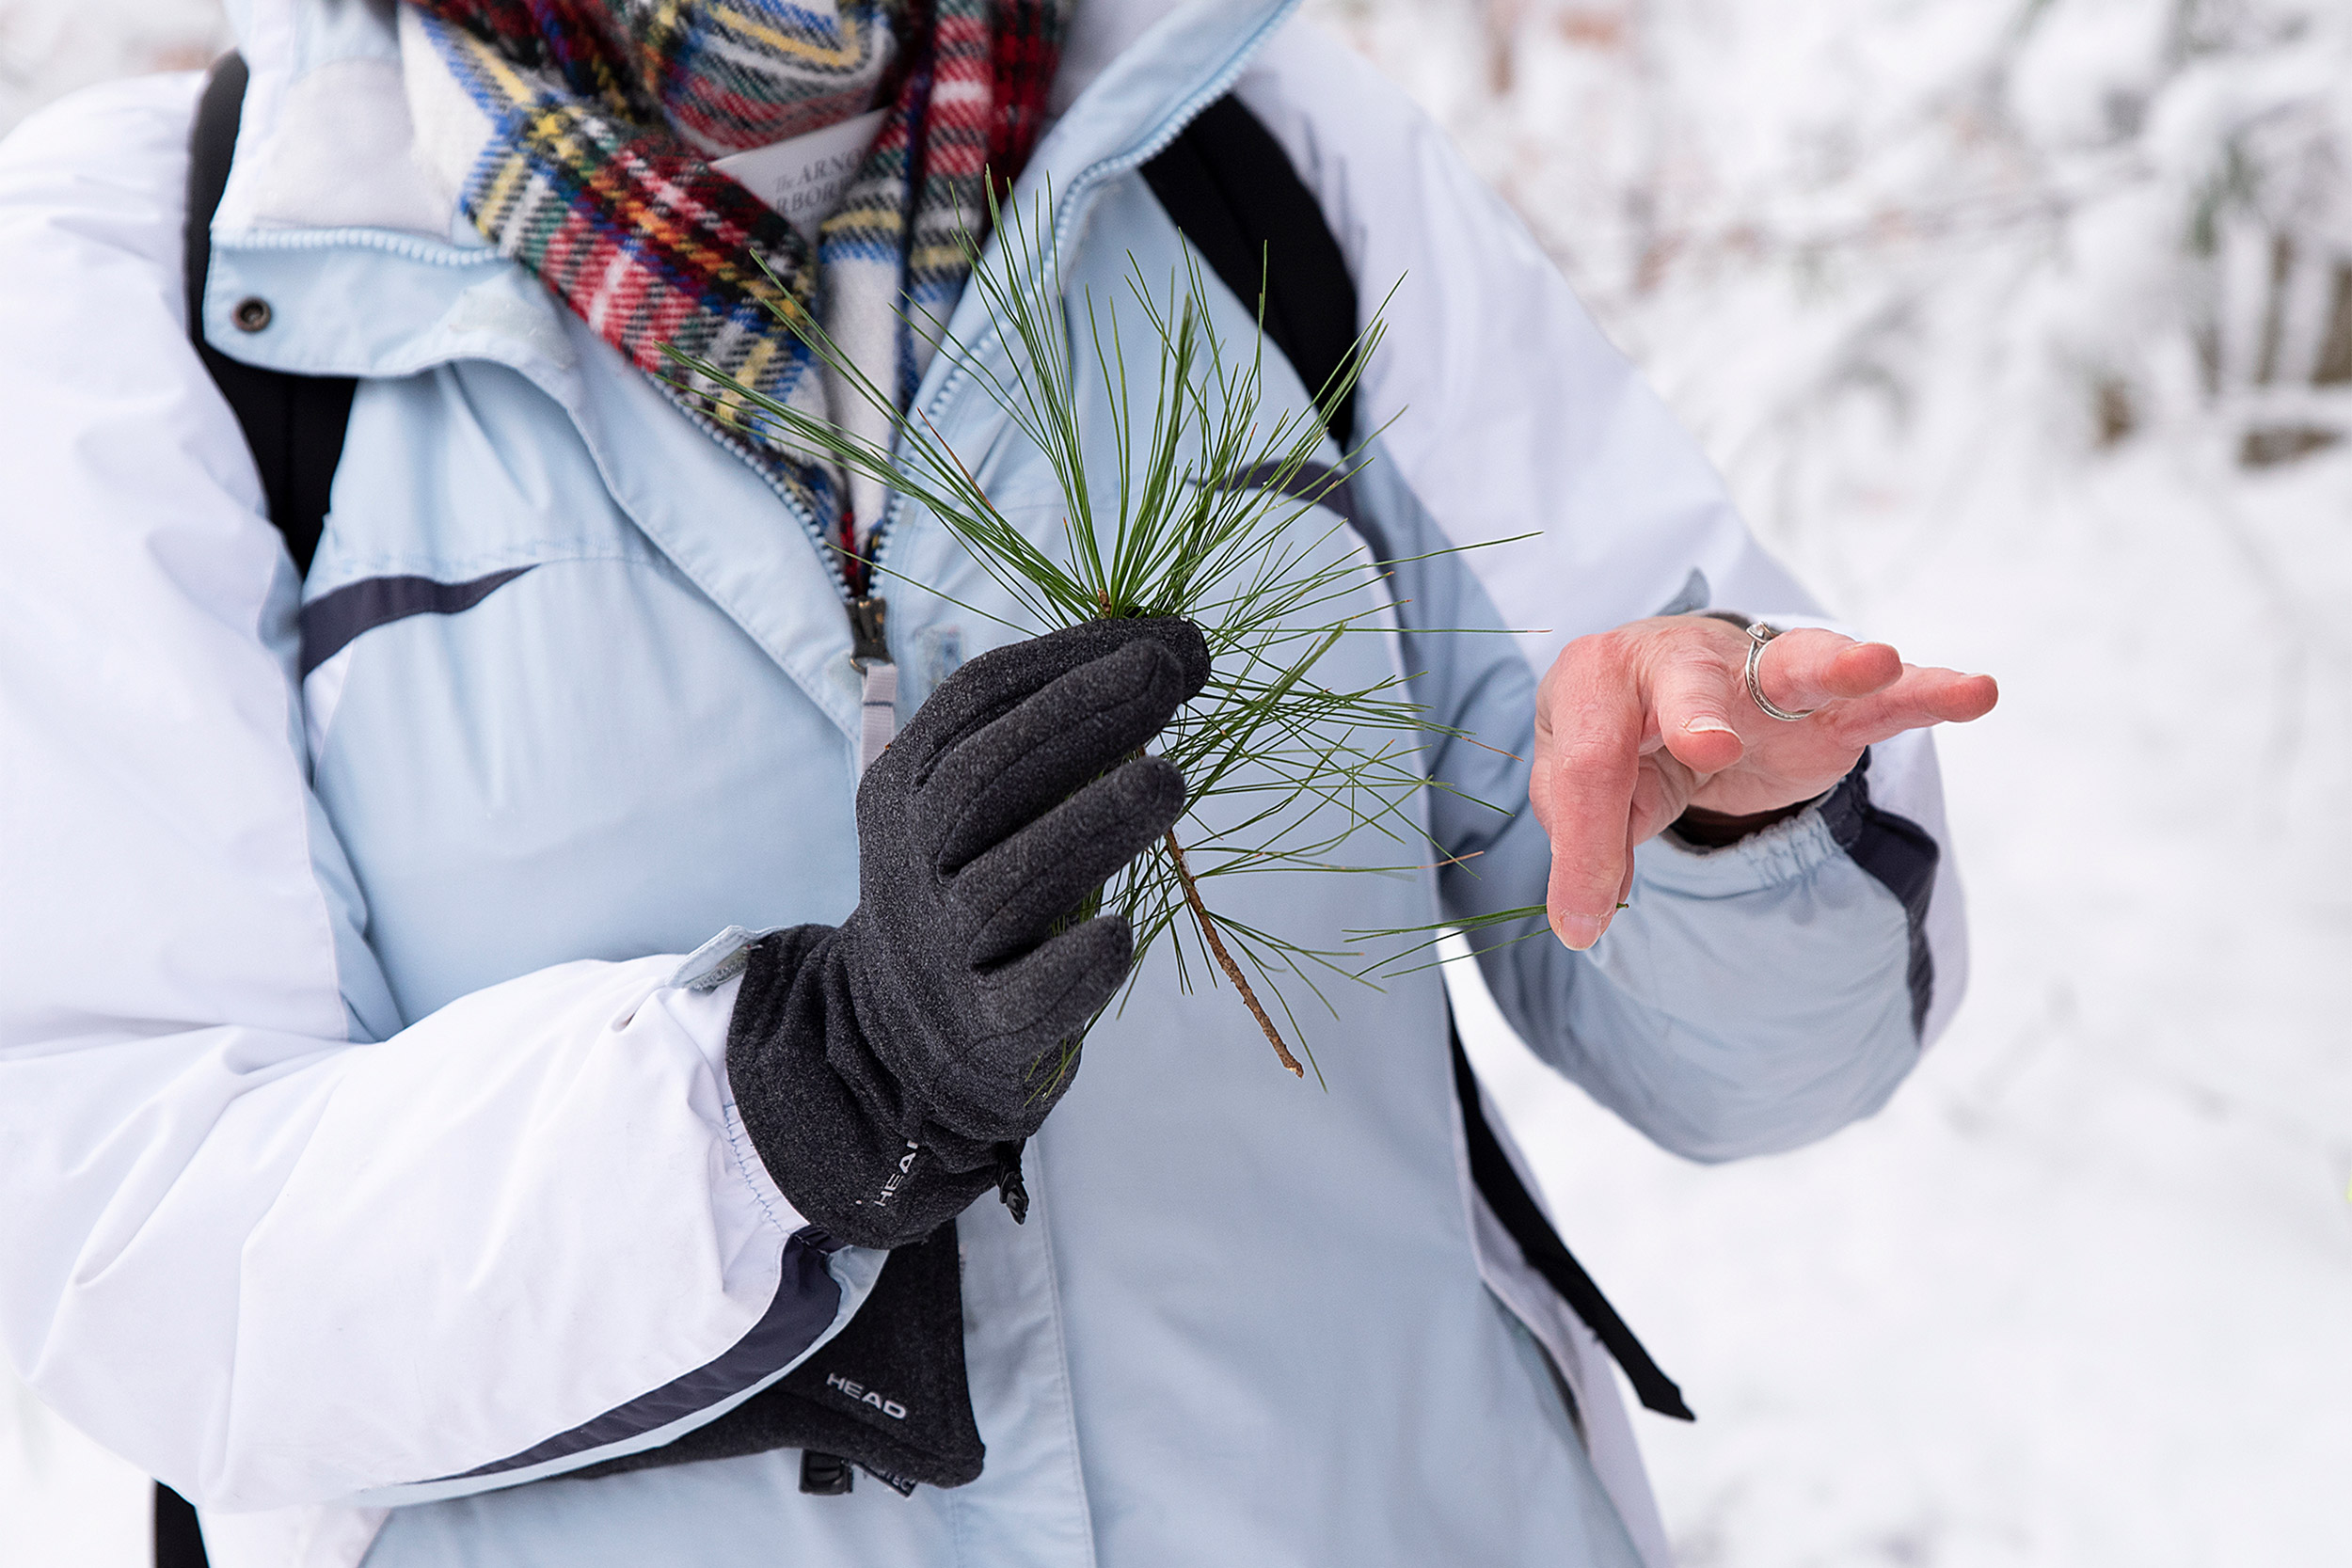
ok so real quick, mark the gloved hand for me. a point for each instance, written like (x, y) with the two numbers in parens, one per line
(880, 1065)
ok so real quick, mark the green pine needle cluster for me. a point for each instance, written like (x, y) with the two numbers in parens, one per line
(1190, 512)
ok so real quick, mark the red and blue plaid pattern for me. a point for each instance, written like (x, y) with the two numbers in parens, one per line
(606, 114)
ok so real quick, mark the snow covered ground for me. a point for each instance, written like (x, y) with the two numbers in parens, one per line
(1983, 306)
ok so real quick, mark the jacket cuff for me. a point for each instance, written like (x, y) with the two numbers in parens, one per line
(1786, 851)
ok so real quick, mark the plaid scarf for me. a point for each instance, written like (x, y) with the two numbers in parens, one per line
(605, 115)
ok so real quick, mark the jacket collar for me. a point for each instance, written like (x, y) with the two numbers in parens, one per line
(340, 173)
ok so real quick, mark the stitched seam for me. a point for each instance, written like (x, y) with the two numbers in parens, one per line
(736, 1136)
(363, 568)
(409, 247)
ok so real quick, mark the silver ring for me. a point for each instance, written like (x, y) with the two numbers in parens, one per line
(1759, 634)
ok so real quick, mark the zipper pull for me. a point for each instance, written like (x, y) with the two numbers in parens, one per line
(868, 621)
(878, 686)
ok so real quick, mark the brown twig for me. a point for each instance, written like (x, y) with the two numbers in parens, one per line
(1225, 960)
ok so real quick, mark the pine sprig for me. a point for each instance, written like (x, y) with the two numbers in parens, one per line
(1193, 515)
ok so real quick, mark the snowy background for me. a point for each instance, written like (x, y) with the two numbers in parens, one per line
(2022, 329)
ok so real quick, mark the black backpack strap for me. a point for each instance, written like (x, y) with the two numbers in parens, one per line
(1547, 1254)
(1230, 190)
(294, 423)
(179, 1540)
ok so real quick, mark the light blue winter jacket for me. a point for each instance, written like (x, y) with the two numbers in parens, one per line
(367, 1161)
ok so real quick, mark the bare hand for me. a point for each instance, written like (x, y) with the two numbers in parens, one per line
(1635, 726)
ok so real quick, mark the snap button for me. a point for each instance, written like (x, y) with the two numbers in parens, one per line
(252, 314)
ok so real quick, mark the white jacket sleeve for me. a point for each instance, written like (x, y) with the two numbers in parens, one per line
(1750, 999)
(242, 1244)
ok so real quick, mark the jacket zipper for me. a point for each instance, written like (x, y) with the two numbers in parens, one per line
(869, 612)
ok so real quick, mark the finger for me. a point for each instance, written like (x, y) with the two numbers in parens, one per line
(1809, 668)
(1953, 698)
(1694, 692)
(1048, 995)
(1583, 785)
(1008, 674)
(1022, 886)
(1007, 773)
(1662, 790)
(997, 681)
(1920, 698)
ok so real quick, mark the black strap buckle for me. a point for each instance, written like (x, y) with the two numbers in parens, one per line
(826, 1475)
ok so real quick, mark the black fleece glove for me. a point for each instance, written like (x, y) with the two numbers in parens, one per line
(880, 1065)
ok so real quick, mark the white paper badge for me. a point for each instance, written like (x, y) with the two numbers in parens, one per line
(802, 179)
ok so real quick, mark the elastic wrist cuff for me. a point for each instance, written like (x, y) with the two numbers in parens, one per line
(1785, 852)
